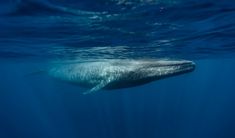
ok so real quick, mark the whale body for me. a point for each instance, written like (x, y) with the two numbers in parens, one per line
(116, 74)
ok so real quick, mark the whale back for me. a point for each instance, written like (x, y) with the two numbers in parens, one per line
(87, 74)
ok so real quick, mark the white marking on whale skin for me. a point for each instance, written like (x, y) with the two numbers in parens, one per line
(115, 74)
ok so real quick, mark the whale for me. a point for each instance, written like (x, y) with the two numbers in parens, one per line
(120, 73)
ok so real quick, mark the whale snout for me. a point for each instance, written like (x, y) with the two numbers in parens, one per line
(187, 66)
(184, 64)
(168, 68)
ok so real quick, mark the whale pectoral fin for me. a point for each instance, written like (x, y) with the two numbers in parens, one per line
(97, 87)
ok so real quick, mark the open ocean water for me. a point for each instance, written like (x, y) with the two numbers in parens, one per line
(34, 33)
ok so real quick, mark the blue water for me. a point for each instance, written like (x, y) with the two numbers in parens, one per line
(199, 104)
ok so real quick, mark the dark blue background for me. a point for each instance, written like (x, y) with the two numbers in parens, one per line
(199, 104)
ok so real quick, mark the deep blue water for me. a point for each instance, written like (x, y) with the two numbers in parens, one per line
(199, 104)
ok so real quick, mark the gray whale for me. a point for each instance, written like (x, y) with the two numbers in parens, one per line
(121, 73)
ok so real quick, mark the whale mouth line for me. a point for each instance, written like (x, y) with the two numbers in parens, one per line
(182, 67)
(188, 64)
(187, 67)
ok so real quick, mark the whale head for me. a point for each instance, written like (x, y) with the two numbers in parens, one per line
(155, 70)
(138, 72)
